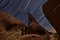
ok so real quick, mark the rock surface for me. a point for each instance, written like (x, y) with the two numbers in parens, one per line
(13, 29)
(51, 10)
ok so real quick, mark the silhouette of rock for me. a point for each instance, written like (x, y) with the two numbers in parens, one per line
(51, 10)
(34, 27)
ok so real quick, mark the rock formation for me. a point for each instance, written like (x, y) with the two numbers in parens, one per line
(13, 29)
(10, 28)
(51, 10)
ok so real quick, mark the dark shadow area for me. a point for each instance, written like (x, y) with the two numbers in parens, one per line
(51, 10)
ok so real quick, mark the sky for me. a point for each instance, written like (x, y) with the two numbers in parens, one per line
(20, 8)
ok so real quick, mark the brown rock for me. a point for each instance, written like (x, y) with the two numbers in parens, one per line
(10, 27)
(51, 10)
(34, 27)
(31, 37)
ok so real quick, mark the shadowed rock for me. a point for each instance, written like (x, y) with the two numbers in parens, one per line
(34, 27)
(51, 10)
